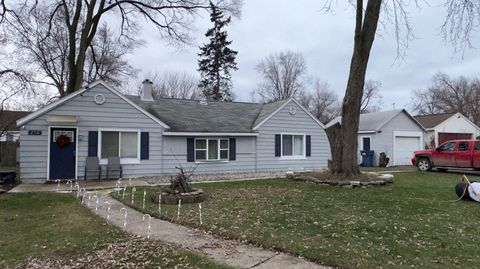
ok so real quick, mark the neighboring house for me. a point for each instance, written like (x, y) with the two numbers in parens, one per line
(154, 135)
(8, 126)
(394, 132)
(447, 126)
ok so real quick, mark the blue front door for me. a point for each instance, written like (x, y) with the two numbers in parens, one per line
(63, 144)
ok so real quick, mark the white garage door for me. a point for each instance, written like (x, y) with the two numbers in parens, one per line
(404, 148)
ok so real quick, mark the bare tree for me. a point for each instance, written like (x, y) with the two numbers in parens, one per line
(448, 95)
(283, 74)
(343, 137)
(106, 58)
(176, 85)
(371, 99)
(43, 50)
(81, 21)
(322, 102)
(463, 18)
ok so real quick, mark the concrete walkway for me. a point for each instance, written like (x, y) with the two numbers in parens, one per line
(228, 252)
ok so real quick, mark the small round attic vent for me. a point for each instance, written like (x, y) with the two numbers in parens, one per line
(292, 110)
(99, 99)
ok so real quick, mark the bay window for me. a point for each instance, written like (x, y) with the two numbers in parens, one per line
(211, 149)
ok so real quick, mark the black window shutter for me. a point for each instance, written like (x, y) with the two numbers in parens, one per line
(232, 149)
(278, 145)
(92, 143)
(190, 150)
(144, 146)
(308, 144)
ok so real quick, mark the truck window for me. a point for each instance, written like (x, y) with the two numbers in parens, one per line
(447, 147)
(463, 146)
(477, 145)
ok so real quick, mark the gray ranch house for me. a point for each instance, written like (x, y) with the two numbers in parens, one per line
(394, 132)
(152, 136)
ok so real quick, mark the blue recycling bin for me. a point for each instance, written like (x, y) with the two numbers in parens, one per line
(367, 157)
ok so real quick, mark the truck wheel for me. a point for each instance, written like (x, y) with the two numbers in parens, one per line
(424, 164)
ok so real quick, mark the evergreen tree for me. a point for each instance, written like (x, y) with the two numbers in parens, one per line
(217, 60)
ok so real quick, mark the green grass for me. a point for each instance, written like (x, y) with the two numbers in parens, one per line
(414, 223)
(51, 226)
(48, 225)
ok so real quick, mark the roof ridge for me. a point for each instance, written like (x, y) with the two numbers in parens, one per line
(197, 100)
(437, 114)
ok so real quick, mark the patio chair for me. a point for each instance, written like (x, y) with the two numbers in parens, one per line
(114, 166)
(92, 164)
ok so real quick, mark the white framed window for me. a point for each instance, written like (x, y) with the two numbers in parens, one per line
(119, 143)
(293, 146)
(211, 149)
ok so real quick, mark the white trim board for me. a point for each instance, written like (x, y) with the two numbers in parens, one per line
(57, 103)
(366, 136)
(207, 134)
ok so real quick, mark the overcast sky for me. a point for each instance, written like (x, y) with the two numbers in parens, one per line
(326, 42)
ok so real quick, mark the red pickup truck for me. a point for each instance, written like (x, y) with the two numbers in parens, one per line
(451, 154)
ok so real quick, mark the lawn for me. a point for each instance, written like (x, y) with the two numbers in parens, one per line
(414, 223)
(54, 230)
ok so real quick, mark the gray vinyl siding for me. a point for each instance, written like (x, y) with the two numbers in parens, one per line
(253, 154)
(175, 155)
(383, 141)
(115, 113)
(284, 122)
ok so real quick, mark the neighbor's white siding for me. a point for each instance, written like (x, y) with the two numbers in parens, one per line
(114, 113)
(284, 122)
(455, 124)
(384, 141)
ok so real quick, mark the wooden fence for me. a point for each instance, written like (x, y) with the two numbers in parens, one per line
(8, 154)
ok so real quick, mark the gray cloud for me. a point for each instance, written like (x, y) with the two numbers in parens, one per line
(326, 41)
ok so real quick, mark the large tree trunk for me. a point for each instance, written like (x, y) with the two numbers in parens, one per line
(345, 138)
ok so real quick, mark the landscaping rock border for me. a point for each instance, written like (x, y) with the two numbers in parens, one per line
(382, 180)
(196, 196)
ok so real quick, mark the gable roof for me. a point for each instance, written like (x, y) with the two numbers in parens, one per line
(212, 116)
(8, 119)
(430, 121)
(57, 103)
(374, 122)
(268, 109)
(191, 116)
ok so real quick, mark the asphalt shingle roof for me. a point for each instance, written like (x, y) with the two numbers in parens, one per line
(430, 121)
(371, 121)
(8, 119)
(193, 116)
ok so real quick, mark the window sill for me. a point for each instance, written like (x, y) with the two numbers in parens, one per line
(212, 161)
(122, 161)
(293, 158)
